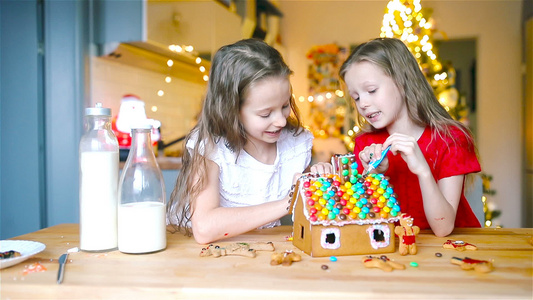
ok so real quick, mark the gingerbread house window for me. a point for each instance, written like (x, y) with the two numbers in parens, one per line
(330, 238)
(379, 235)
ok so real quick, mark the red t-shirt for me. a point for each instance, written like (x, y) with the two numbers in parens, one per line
(446, 157)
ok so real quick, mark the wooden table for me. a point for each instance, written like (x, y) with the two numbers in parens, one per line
(179, 272)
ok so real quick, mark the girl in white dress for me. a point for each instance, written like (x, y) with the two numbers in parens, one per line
(247, 149)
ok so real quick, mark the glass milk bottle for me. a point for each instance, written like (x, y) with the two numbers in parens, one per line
(141, 213)
(99, 161)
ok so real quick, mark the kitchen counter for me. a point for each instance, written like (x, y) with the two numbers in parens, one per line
(179, 271)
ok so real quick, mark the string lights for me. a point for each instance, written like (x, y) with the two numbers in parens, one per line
(188, 51)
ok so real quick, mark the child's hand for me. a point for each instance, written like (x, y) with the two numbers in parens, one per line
(408, 148)
(322, 168)
(372, 153)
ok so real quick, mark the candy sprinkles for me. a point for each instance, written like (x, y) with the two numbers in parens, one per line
(358, 198)
(344, 212)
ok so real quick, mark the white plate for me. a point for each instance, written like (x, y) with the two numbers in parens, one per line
(27, 249)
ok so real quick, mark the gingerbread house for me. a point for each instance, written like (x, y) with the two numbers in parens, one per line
(344, 213)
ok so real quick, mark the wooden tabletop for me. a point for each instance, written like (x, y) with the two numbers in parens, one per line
(179, 271)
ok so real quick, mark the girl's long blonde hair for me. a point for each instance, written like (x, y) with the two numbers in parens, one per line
(234, 70)
(394, 58)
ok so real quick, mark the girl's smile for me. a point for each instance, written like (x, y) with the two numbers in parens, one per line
(264, 113)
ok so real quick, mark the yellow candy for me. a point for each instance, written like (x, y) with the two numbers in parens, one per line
(382, 199)
(380, 191)
(375, 182)
(319, 193)
(356, 210)
(325, 211)
(349, 192)
(353, 200)
(322, 201)
(348, 184)
(386, 209)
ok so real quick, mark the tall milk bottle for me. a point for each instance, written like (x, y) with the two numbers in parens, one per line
(99, 162)
(141, 212)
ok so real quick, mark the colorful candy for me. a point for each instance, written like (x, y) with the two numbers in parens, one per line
(349, 195)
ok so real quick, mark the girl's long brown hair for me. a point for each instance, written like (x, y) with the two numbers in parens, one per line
(234, 70)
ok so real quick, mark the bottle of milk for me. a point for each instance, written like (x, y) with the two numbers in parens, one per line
(99, 162)
(142, 208)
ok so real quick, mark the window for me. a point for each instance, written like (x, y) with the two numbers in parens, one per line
(330, 238)
(379, 236)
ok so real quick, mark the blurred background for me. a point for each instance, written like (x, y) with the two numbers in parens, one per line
(58, 57)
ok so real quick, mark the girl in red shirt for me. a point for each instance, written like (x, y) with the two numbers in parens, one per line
(430, 152)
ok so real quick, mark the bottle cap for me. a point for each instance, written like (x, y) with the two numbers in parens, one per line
(98, 110)
(141, 124)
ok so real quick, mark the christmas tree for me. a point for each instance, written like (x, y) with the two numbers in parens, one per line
(409, 21)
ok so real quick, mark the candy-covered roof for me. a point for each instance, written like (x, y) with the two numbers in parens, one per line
(347, 197)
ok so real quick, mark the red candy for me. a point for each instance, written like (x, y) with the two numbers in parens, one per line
(331, 198)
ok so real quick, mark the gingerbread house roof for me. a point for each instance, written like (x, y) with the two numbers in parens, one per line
(347, 197)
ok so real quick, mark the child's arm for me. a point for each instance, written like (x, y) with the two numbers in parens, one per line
(210, 222)
(441, 199)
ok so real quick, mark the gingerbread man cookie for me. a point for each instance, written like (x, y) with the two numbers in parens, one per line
(241, 249)
(458, 245)
(284, 258)
(382, 262)
(217, 251)
(480, 266)
(407, 232)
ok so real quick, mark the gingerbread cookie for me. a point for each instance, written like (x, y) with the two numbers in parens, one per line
(284, 258)
(217, 251)
(480, 266)
(240, 249)
(382, 262)
(9, 254)
(407, 233)
(458, 245)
